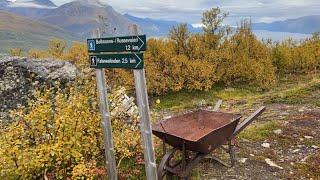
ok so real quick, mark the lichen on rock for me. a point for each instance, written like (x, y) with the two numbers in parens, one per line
(19, 76)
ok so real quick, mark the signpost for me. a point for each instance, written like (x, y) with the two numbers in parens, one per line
(130, 58)
(145, 124)
(117, 44)
(105, 121)
(128, 61)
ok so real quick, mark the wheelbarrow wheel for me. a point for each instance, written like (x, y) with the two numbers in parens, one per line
(164, 164)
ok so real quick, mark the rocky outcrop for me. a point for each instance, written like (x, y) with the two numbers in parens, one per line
(20, 76)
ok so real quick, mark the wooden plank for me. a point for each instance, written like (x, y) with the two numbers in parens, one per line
(146, 130)
(105, 121)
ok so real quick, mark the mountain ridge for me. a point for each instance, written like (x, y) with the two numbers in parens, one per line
(158, 27)
(82, 16)
(304, 25)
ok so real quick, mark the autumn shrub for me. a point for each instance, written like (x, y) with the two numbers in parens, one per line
(59, 135)
(36, 54)
(200, 75)
(245, 60)
(16, 51)
(164, 71)
(297, 57)
(56, 48)
(281, 57)
(77, 54)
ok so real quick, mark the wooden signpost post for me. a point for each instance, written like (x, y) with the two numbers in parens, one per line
(130, 58)
(105, 121)
(145, 124)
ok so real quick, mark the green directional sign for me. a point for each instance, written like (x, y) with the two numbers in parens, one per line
(117, 44)
(128, 61)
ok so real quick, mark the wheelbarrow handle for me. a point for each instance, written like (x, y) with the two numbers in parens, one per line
(249, 120)
(217, 106)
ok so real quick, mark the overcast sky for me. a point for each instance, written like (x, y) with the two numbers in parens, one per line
(191, 10)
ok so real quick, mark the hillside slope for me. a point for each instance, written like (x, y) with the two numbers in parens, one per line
(21, 32)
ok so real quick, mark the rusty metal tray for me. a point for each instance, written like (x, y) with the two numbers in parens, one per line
(200, 130)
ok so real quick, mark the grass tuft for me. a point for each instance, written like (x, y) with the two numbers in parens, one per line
(187, 99)
(259, 132)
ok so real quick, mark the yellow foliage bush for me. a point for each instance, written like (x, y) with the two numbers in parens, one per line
(245, 60)
(78, 54)
(16, 51)
(36, 54)
(59, 134)
(293, 57)
(56, 48)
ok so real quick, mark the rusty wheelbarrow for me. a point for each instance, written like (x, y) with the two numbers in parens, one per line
(195, 135)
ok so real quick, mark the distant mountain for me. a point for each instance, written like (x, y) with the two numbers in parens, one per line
(154, 27)
(83, 16)
(32, 4)
(30, 8)
(21, 32)
(306, 25)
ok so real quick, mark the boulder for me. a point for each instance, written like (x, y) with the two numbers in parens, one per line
(19, 76)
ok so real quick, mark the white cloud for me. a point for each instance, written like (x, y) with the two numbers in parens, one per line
(191, 10)
(197, 25)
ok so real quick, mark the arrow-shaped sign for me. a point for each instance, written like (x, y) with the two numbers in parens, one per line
(140, 60)
(117, 44)
(128, 61)
(141, 44)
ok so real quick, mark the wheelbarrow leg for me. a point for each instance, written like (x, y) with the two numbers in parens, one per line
(164, 145)
(231, 153)
(192, 164)
(169, 176)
